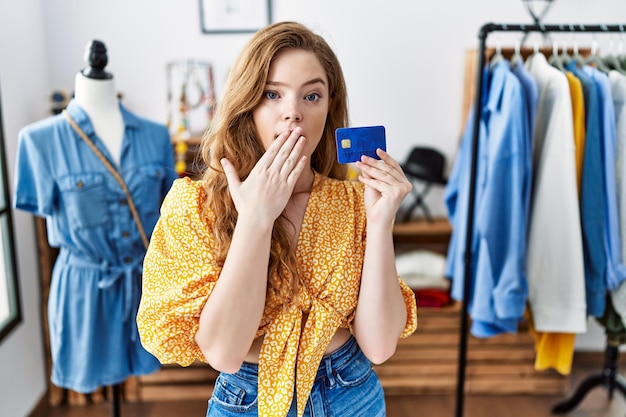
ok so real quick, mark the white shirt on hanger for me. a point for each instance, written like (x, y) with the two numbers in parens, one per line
(618, 90)
(555, 264)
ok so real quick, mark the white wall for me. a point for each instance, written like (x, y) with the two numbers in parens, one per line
(403, 62)
(24, 84)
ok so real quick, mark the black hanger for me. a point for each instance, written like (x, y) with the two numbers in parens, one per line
(537, 17)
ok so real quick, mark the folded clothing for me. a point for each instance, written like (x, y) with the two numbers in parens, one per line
(432, 297)
(422, 269)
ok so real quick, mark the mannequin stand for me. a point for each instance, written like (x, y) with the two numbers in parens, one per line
(116, 401)
(609, 379)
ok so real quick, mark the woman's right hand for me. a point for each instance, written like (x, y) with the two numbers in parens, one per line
(265, 192)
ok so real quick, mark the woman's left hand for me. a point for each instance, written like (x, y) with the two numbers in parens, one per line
(386, 186)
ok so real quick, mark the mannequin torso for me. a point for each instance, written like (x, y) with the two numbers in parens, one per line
(98, 98)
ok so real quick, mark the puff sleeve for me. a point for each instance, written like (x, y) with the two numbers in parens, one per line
(179, 273)
(411, 309)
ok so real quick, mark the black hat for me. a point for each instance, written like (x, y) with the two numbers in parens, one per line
(426, 164)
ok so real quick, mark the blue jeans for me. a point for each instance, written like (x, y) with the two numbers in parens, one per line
(346, 385)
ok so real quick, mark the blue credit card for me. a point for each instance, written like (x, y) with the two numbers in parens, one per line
(353, 142)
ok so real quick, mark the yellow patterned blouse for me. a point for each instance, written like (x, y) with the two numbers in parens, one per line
(180, 272)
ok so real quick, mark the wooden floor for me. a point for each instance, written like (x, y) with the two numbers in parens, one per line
(594, 404)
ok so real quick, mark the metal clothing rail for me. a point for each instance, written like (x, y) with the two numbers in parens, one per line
(482, 38)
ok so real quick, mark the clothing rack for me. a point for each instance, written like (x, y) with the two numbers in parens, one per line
(609, 377)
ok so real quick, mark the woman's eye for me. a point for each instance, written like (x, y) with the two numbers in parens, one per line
(271, 95)
(312, 97)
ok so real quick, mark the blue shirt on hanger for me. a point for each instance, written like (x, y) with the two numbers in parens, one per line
(616, 272)
(592, 201)
(531, 92)
(499, 288)
(532, 96)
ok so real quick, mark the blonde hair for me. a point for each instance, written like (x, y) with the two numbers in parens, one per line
(233, 136)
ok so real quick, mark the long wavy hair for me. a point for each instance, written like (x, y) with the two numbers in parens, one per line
(233, 135)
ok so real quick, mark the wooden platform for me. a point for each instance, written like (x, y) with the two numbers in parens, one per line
(426, 362)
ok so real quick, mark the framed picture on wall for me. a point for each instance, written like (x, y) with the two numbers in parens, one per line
(10, 307)
(234, 16)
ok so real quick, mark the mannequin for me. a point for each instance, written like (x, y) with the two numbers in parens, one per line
(95, 94)
(95, 286)
(94, 91)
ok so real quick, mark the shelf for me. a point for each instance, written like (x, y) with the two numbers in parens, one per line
(193, 141)
(423, 231)
(423, 234)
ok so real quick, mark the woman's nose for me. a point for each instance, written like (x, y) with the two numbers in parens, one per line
(292, 112)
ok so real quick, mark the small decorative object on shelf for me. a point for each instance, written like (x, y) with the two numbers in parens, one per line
(58, 101)
(180, 149)
(190, 104)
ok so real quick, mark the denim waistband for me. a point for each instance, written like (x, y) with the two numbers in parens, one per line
(333, 360)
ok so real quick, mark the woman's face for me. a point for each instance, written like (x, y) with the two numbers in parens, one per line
(296, 94)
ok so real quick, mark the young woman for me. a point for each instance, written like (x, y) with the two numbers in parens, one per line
(262, 268)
